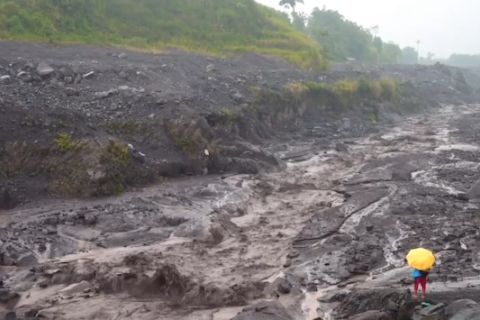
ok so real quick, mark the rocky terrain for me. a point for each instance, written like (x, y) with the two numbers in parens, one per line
(176, 186)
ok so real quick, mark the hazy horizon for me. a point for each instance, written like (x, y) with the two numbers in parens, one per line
(443, 27)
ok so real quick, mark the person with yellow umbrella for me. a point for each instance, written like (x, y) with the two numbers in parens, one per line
(422, 261)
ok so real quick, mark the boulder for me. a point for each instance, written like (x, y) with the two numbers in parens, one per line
(211, 68)
(44, 70)
(7, 297)
(464, 309)
(279, 287)
(397, 303)
(460, 305)
(372, 315)
(433, 312)
(403, 171)
(469, 314)
(27, 260)
(264, 311)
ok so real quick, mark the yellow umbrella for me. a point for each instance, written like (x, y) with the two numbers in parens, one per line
(421, 259)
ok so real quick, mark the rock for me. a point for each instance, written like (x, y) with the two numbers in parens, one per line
(5, 79)
(8, 315)
(433, 312)
(279, 286)
(7, 296)
(88, 75)
(474, 192)
(403, 172)
(139, 156)
(211, 68)
(460, 306)
(467, 314)
(76, 288)
(341, 147)
(122, 55)
(105, 94)
(31, 314)
(264, 311)
(6, 259)
(397, 303)
(372, 315)
(312, 287)
(238, 97)
(333, 297)
(7, 199)
(44, 70)
(69, 91)
(24, 76)
(27, 260)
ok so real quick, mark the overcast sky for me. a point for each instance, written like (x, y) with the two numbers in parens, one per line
(443, 26)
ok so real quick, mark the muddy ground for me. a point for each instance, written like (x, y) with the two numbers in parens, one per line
(318, 230)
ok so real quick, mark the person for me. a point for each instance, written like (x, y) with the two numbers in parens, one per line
(421, 279)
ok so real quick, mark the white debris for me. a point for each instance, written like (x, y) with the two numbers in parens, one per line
(88, 74)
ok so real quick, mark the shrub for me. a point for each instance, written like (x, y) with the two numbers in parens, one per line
(346, 87)
(66, 143)
(297, 88)
(230, 116)
(389, 88)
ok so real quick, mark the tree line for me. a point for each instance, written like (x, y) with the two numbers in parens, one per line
(344, 40)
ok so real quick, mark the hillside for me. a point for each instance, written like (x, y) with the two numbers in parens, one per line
(210, 26)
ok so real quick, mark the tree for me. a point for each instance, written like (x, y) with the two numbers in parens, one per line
(409, 55)
(341, 38)
(464, 60)
(290, 3)
(391, 53)
(299, 21)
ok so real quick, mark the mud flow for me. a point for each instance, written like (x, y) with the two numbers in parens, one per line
(322, 238)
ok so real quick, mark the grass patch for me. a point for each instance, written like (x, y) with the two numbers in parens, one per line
(129, 128)
(230, 117)
(65, 143)
(348, 90)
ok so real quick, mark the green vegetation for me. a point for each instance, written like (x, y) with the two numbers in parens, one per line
(409, 56)
(212, 26)
(129, 127)
(349, 90)
(343, 39)
(464, 60)
(230, 116)
(66, 143)
(117, 153)
(188, 137)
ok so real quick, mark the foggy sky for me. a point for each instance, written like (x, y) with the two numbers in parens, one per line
(443, 26)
